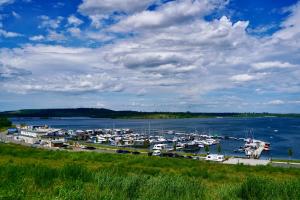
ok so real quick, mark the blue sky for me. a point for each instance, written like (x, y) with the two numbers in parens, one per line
(151, 55)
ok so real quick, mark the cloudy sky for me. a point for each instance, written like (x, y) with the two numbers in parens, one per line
(151, 55)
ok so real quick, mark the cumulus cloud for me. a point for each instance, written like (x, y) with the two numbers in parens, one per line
(173, 52)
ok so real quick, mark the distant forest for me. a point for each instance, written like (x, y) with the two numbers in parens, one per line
(106, 113)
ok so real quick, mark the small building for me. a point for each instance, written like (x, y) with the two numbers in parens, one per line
(57, 143)
(39, 134)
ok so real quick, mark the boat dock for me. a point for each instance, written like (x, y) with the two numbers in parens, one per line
(259, 150)
(254, 148)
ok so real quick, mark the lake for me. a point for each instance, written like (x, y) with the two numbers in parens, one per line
(282, 133)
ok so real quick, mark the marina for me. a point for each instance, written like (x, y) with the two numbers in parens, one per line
(156, 142)
(231, 132)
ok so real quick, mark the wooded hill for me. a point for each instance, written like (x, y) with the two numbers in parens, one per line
(106, 113)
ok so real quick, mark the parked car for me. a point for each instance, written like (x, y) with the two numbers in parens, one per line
(125, 151)
(156, 153)
(90, 148)
(167, 155)
(119, 151)
(122, 151)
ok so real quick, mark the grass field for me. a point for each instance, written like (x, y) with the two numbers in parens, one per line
(28, 173)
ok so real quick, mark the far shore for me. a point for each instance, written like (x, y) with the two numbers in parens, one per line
(112, 114)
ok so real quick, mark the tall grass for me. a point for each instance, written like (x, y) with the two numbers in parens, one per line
(264, 188)
(27, 173)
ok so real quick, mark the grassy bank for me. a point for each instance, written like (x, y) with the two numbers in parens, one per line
(27, 173)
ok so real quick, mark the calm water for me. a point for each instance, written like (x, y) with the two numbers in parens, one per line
(286, 136)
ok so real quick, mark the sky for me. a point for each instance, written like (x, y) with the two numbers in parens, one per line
(151, 55)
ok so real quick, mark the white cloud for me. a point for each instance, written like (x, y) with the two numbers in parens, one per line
(68, 84)
(37, 38)
(275, 102)
(58, 69)
(76, 32)
(73, 20)
(174, 55)
(55, 36)
(175, 12)
(243, 77)
(272, 64)
(99, 36)
(8, 34)
(291, 26)
(48, 23)
(97, 10)
(95, 7)
(7, 72)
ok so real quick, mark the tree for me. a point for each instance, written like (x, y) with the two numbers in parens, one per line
(146, 143)
(206, 148)
(174, 146)
(290, 153)
(4, 122)
(121, 142)
(219, 149)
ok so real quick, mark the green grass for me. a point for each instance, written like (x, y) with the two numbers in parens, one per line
(28, 173)
(286, 161)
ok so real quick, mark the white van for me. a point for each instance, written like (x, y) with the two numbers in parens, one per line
(159, 147)
(215, 157)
